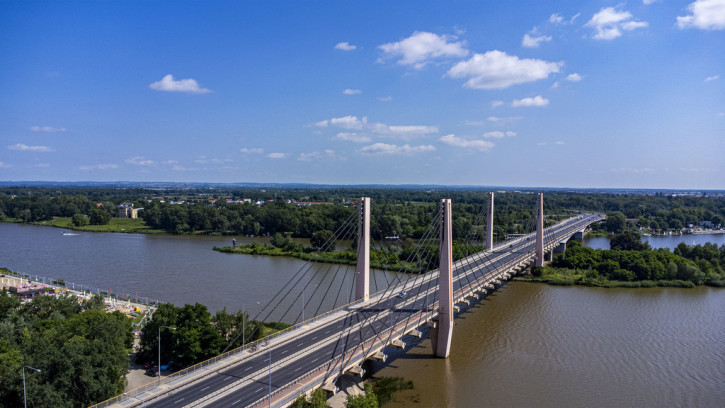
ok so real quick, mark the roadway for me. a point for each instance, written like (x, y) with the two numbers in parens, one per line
(356, 332)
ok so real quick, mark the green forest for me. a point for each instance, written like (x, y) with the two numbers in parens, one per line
(631, 263)
(395, 212)
(79, 348)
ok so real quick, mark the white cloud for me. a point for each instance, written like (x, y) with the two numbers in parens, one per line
(252, 150)
(277, 155)
(535, 101)
(630, 170)
(533, 40)
(24, 147)
(496, 103)
(648, 2)
(412, 129)
(559, 142)
(705, 15)
(326, 154)
(497, 70)
(385, 98)
(556, 18)
(352, 92)
(497, 134)
(390, 149)
(49, 129)
(42, 165)
(345, 46)
(574, 77)
(352, 137)
(350, 122)
(421, 48)
(169, 162)
(168, 84)
(480, 145)
(502, 120)
(105, 166)
(140, 161)
(712, 78)
(5, 165)
(609, 22)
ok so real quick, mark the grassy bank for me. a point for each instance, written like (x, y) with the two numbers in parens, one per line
(569, 277)
(334, 257)
(127, 225)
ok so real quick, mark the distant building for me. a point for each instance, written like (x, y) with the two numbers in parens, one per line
(29, 292)
(134, 212)
(124, 210)
(706, 224)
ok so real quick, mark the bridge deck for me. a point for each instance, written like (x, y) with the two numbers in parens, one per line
(317, 353)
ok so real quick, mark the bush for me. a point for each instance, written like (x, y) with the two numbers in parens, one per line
(79, 220)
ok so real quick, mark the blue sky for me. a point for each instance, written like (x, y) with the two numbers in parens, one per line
(555, 94)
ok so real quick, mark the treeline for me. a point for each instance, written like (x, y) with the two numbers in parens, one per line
(401, 212)
(79, 348)
(403, 256)
(686, 266)
(197, 335)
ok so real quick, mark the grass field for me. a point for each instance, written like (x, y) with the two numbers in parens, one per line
(129, 225)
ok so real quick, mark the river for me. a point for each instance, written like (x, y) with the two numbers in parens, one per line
(525, 345)
(663, 241)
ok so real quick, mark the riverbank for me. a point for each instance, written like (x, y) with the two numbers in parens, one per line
(578, 277)
(123, 225)
(333, 257)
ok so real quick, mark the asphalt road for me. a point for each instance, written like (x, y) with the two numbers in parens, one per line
(329, 342)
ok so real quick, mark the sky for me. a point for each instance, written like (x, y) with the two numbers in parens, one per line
(584, 94)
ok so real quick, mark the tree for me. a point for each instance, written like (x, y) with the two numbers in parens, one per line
(79, 220)
(99, 217)
(324, 239)
(615, 222)
(367, 400)
(628, 241)
(279, 240)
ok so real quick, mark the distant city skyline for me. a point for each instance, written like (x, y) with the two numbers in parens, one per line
(558, 94)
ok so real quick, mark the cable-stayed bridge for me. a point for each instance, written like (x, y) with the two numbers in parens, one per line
(316, 352)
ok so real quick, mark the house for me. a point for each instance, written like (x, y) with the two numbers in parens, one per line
(29, 292)
(124, 210)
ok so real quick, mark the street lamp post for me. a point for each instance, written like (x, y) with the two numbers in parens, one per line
(162, 327)
(25, 398)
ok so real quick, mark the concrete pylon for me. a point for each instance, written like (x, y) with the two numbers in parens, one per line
(362, 271)
(489, 222)
(540, 231)
(441, 336)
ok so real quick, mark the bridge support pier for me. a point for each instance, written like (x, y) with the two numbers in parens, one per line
(441, 335)
(489, 222)
(540, 231)
(362, 271)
